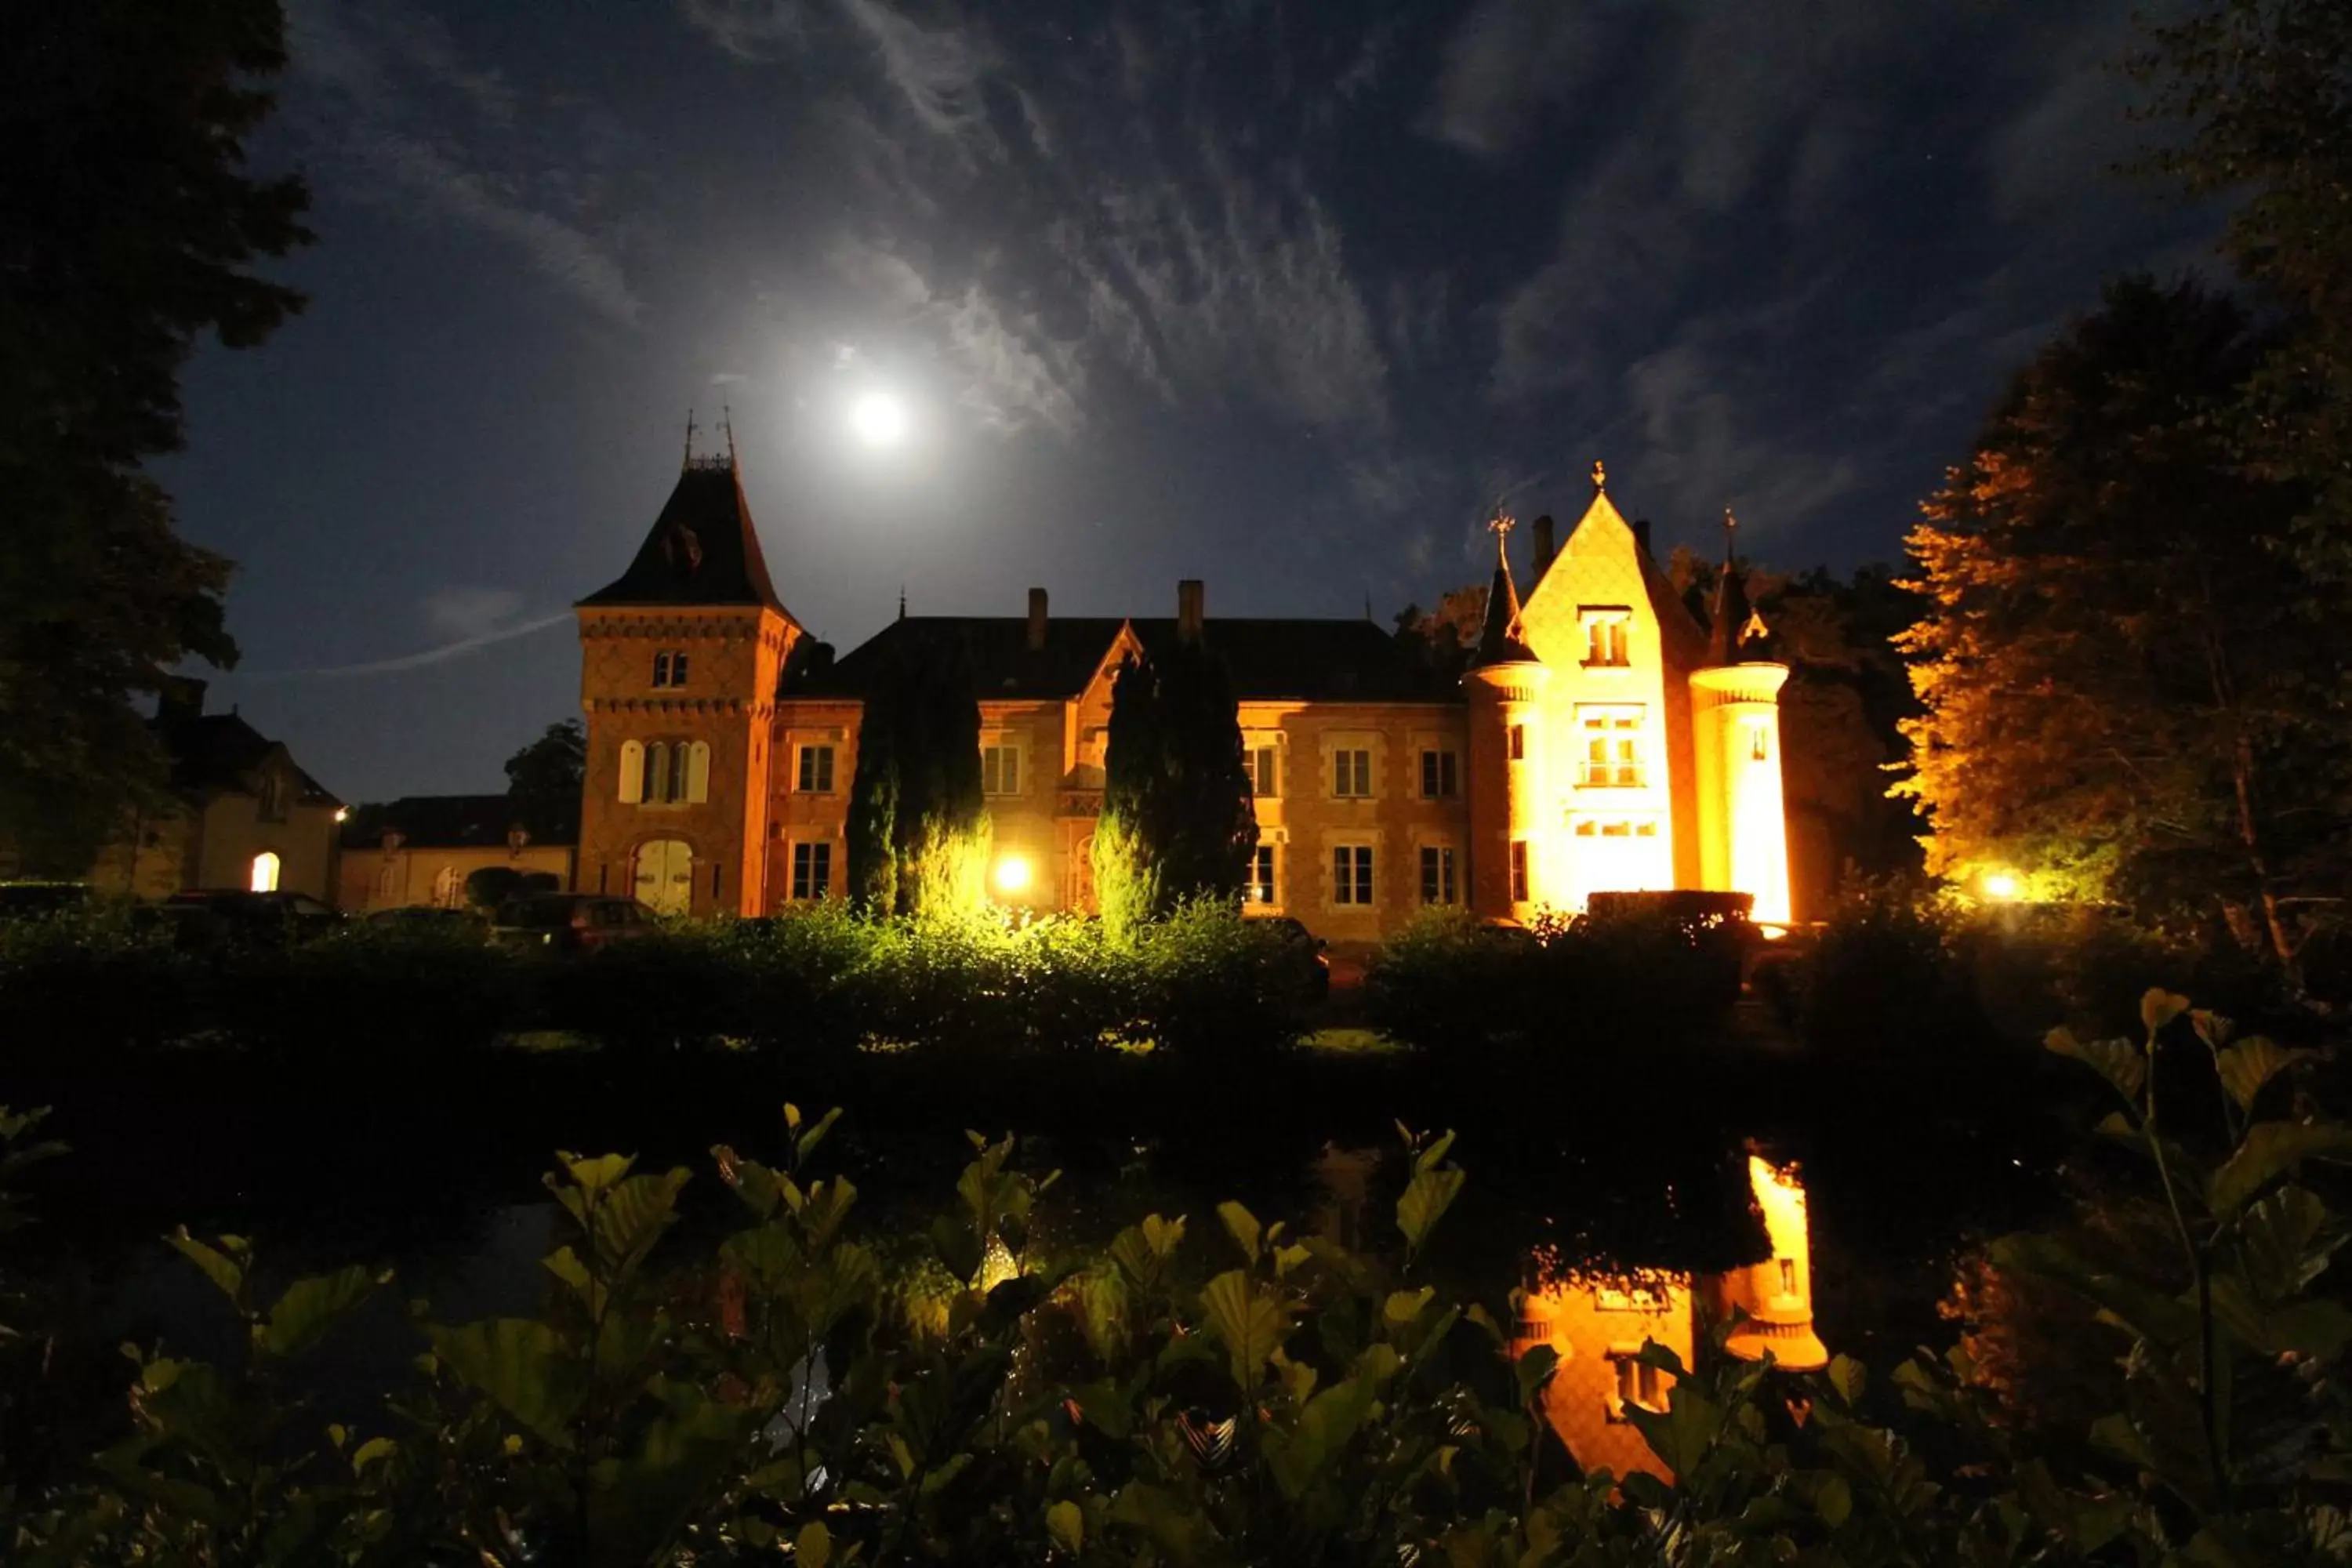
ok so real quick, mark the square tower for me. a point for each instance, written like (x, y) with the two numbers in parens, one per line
(679, 664)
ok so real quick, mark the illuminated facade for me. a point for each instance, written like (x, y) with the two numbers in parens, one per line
(1598, 1324)
(1602, 740)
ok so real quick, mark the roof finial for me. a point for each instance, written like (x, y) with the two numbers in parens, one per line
(1730, 527)
(902, 601)
(726, 422)
(1599, 475)
(1501, 528)
(688, 461)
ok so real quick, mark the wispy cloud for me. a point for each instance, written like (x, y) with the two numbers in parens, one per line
(469, 610)
(440, 654)
(385, 91)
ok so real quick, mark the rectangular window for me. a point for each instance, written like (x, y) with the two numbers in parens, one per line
(1604, 635)
(1351, 874)
(1437, 886)
(817, 770)
(1519, 871)
(1439, 775)
(1000, 770)
(1263, 780)
(1518, 743)
(669, 669)
(1351, 774)
(1261, 877)
(812, 871)
(1636, 1385)
(1612, 748)
(1759, 745)
(661, 669)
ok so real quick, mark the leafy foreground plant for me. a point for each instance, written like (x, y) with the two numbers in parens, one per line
(789, 1397)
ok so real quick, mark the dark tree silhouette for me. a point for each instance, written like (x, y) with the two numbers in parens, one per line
(917, 789)
(1172, 772)
(128, 225)
(544, 780)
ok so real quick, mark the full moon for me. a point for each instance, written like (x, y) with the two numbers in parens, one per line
(878, 419)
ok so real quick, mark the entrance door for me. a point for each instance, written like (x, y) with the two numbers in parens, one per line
(666, 875)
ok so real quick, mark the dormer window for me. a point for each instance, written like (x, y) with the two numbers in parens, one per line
(669, 669)
(1605, 628)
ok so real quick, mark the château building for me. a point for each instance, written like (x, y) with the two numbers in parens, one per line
(1602, 740)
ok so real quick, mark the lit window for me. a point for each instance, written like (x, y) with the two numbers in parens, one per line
(1760, 744)
(1518, 870)
(265, 872)
(1265, 782)
(1437, 885)
(812, 871)
(1612, 748)
(1518, 743)
(817, 770)
(1788, 1275)
(1636, 1385)
(1000, 770)
(1604, 635)
(1439, 775)
(1261, 877)
(1351, 774)
(1351, 874)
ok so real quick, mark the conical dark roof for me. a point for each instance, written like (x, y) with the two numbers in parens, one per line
(703, 549)
(1737, 633)
(1501, 639)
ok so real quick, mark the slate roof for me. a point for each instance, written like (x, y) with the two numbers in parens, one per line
(1265, 659)
(1500, 639)
(449, 822)
(214, 752)
(703, 548)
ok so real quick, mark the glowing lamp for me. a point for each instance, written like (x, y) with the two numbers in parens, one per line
(342, 814)
(1013, 875)
(2001, 885)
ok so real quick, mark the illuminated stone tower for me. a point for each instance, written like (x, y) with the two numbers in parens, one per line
(1506, 685)
(678, 663)
(1736, 732)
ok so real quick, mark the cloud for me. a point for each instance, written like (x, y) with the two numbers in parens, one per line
(1508, 66)
(936, 71)
(465, 610)
(440, 654)
(386, 93)
(751, 29)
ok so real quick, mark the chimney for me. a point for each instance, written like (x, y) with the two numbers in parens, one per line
(1641, 534)
(181, 699)
(1037, 620)
(1190, 592)
(1543, 546)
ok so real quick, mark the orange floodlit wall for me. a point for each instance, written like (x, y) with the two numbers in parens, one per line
(1597, 1327)
(1776, 1295)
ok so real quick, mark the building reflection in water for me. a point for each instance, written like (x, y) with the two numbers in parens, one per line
(1598, 1321)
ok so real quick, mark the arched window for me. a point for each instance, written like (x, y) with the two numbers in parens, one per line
(632, 772)
(658, 786)
(697, 768)
(449, 888)
(265, 872)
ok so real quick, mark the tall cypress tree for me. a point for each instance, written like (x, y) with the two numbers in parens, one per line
(1173, 775)
(916, 814)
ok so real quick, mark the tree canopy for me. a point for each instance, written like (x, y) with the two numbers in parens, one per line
(918, 823)
(129, 226)
(2130, 687)
(1173, 776)
(544, 779)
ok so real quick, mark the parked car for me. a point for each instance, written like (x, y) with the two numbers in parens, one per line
(1305, 951)
(38, 901)
(569, 922)
(429, 918)
(206, 917)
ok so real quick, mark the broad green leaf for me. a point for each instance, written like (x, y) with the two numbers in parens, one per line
(2270, 1149)
(1243, 1226)
(1403, 1305)
(1534, 1369)
(1065, 1523)
(1834, 1501)
(2159, 1007)
(1681, 1433)
(632, 1216)
(2249, 1064)
(807, 1143)
(1846, 1376)
(1324, 1428)
(224, 1274)
(1181, 1533)
(2289, 1234)
(311, 1306)
(1248, 1322)
(1426, 1198)
(2121, 1062)
(2150, 1314)
(523, 1366)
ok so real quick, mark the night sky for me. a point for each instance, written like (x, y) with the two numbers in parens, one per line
(1285, 295)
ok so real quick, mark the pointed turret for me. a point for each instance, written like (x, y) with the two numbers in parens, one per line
(1737, 631)
(1501, 639)
(702, 549)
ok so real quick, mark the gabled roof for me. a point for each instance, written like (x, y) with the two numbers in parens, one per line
(220, 753)
(451, 821)
(1265, 659)
(704, 548)
(1627, 572)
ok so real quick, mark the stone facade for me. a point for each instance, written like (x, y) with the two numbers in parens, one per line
(1599, 742)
